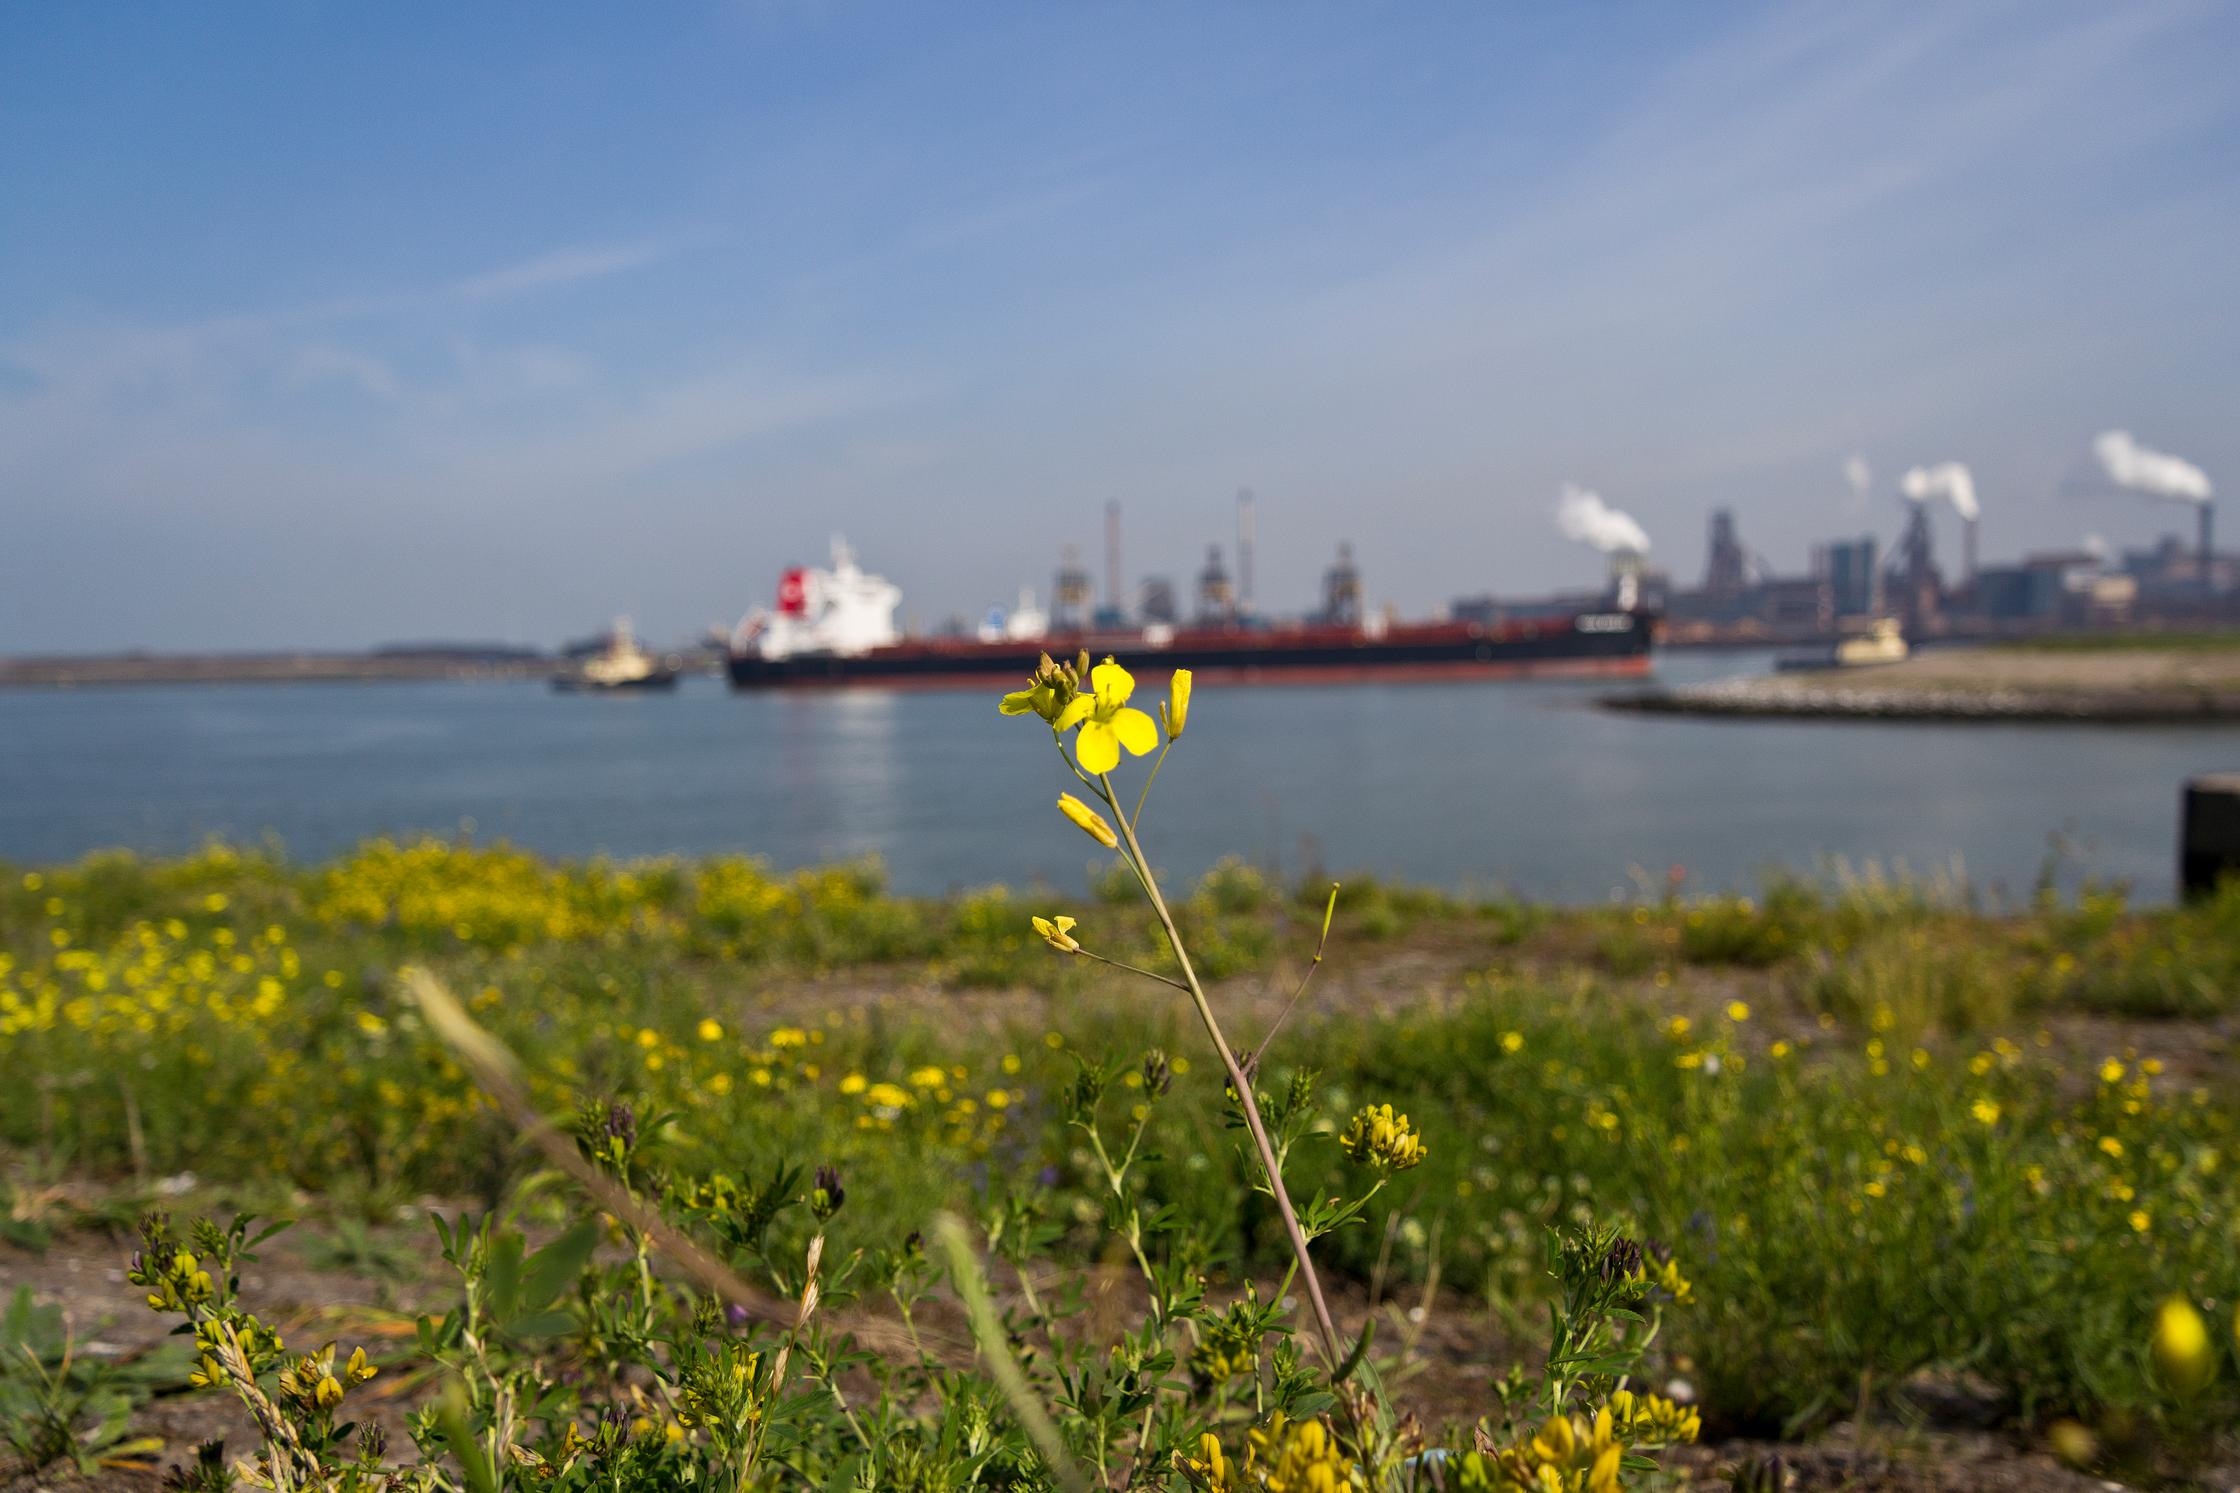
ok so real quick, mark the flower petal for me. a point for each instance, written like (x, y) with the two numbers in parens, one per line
(1097, 748)
(1018, 702)
(1076, 711)
(1137, 731)
(1112, 683)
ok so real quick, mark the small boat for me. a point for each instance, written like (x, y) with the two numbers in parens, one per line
(1882, 643)
(620, 665)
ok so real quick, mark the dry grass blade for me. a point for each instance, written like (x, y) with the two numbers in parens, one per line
(494, 1068)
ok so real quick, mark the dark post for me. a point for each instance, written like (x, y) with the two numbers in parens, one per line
(2209, 833)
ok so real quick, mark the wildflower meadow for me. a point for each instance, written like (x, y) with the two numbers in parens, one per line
(702, 1174)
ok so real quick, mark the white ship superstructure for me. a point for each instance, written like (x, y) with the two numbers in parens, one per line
(844, 611)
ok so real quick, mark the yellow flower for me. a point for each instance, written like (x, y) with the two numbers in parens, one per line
(1738, 1011)
(2181, 1348)
(1050, 689)
(2140, 1222)
(1058, 933)
(1297, 1457)
(1107, 721)
(1092, 823)
(1175, 712)
(1377, 1137)
(2111, 1145)
(1986, 1111)
(711, 1030)
(1210, 1468)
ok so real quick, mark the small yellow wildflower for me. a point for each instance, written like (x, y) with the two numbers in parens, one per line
(2111, 1071)
(2140, 1221)
(1738, 1010)
(1107, 721)
(1049, 690)
(1297, 1457)
(1089, 820)
(1058, 933)
(711, 1030)
(1512, 1041)
(1376, 1137)
(1986, 1111)
(2111, 1145)
(1210, 1468)
(2181, 1348)
(854, 1083)
(887, 1096)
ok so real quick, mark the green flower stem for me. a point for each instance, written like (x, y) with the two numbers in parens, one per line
(1332, 1347)
(1133, 970)
(1153, 777)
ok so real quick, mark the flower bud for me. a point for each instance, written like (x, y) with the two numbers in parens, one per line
(1175, 712)
(1090, 821)
(826, 1196)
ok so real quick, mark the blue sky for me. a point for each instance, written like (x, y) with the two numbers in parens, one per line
(327, 324)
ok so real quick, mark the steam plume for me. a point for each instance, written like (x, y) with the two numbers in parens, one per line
(1948, 480)
(2156, 474)
(1582, 515)
(1858, 476)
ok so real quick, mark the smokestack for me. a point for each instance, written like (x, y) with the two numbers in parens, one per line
(1112, 554)
(1244, 551)
(2208, 554)
(1968, 551)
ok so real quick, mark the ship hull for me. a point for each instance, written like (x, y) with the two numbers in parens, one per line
(1608, 645)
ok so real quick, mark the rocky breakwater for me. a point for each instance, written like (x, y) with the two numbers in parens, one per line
(2132, 685)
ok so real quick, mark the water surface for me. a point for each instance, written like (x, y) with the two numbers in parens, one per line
(1524, 786)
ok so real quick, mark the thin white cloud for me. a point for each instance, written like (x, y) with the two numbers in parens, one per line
(558, 267)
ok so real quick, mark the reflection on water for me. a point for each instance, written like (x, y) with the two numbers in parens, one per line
(1518, 785)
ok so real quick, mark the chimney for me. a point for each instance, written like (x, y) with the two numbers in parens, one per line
(1112, 554)
(1244, 551)
(2208, 553)
(1968, 551)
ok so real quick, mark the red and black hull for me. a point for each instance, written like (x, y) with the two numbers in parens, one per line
(1597, 645)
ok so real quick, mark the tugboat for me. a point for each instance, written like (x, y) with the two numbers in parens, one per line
(1884, 642)
(620, 665)
(835, 628)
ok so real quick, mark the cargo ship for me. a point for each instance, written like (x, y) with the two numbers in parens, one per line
(835, 628)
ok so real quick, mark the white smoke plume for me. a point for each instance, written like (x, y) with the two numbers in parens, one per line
(1582, 515)
(1858, 476)
(1948, 480)
(2156, 474)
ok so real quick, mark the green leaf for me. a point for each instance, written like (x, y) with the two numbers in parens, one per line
(474, 1466)
(554, 1268)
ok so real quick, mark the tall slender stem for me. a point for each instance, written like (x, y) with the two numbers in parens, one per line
(1238, 1081)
